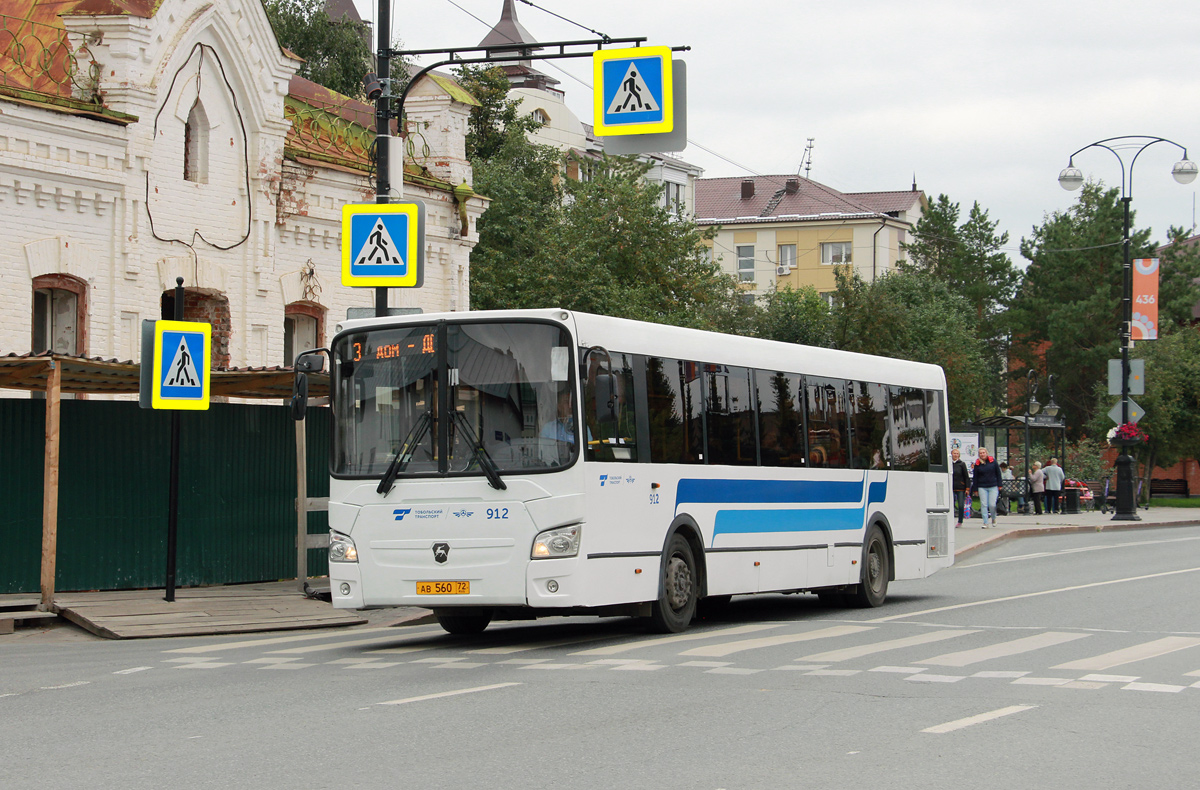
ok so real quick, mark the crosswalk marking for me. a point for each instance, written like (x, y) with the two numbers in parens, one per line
(1158, 647)
(1012, 648)
(1152, 687)
(667, 640)
(1041, 681)
(936, 678)
(729, 648)
(958, 724)
(892, 644)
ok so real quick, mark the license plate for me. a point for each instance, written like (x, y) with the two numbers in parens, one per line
(443, 588)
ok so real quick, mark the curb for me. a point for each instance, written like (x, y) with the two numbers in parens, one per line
(1029, 532)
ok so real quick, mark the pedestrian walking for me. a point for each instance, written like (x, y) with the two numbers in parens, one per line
(1054, 486)
(961, 483)
(1037, 486)
(986, 480)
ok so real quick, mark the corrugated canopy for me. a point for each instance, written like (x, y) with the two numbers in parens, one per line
(113, 377)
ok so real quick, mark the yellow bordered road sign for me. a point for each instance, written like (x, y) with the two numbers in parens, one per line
(383, 244)
(182, 358)
(633, 91)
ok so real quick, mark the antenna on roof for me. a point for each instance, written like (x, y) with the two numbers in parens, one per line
(806, 159)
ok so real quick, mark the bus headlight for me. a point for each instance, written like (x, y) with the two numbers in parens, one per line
(341, 548)
(561, 542)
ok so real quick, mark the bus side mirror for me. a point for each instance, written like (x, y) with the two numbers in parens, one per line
(299, 396)
(310, 362)
(607, 401)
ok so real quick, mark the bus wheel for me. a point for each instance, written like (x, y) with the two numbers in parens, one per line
(676, 603)
(872, 589)
(464, 624)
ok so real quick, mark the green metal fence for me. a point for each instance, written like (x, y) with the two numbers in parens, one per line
(237, 518)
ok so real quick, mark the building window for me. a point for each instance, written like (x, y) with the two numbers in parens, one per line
(745, 255)
(828, 296)
(787, 256)
(835, 252)
(673, 197)
(59, 310)
(302, 330)
(539, 115)
(195, 145)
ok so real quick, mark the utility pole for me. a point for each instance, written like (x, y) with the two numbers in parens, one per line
(383, 186)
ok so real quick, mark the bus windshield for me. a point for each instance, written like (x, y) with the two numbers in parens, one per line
(511, 384)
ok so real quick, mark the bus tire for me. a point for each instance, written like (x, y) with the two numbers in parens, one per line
(871, 590)
(677, 590)
(464, 624)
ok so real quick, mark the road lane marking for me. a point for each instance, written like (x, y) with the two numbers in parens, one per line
(66, 685)
(442, 694)
(376, 640)
(666, 640)
(1040, 554)
(278, 640)
(1022, 596)
(1153, 649)
(959, 724)
(892, 644)
(131, 670)
(728, 648)
(1011, 648)
(521, 648)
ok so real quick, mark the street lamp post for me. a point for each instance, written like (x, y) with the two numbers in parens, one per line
(1071, 178)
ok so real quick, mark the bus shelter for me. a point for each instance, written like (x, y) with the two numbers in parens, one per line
(997, 434)
(55, 375)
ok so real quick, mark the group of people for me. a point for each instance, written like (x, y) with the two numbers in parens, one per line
(987, 476)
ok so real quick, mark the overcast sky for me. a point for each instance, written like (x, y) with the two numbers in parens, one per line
(983, 102)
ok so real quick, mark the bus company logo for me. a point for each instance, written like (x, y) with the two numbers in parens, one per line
(629, 479)
(428, 513)
(400, 514)
(610, 480)
(464, 513)
(441, 552)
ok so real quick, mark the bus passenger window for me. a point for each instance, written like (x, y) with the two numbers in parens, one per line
(675, 402)
(779, 418)
(868, 417)
(826, 403)
(730, 415)
(608, 439)
(909, 449)
(933, 424)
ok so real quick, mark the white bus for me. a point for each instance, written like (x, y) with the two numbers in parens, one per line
(525, 463)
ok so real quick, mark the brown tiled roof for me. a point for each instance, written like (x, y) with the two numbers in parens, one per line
(720, 200)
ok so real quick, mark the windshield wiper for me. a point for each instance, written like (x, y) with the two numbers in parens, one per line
(405, 453)
(481, 454)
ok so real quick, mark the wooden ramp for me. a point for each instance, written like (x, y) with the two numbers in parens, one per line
(200, 611)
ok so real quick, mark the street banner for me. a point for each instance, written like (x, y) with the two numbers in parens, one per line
(1145, 299)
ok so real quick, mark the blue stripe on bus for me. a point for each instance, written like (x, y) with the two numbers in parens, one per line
(770, 491)
(812, 520)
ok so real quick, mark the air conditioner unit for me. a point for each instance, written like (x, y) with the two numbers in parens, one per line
(783, 271)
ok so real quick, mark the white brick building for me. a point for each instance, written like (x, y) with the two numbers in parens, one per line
(171, 139)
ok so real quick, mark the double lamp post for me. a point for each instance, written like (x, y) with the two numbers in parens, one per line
(1071, 178)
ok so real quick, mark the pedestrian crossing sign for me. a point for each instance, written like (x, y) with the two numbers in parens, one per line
(633, 91)
(182, 354)
(383, 244)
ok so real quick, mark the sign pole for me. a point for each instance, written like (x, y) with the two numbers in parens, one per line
(173, 501)
(382, 126)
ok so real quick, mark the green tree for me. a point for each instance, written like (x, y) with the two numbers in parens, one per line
(497, 117)
(915, 315)
(1068, 308)
(795, 316)
(337, 53)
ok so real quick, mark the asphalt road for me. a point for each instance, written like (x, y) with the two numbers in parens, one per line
(1068, 661)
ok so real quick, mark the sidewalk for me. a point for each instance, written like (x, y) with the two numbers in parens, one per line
(277, 606)
(971, 537)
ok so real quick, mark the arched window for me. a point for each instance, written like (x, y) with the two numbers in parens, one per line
(540, 116)
(303, 328)
(59, 314)
(195, 145)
